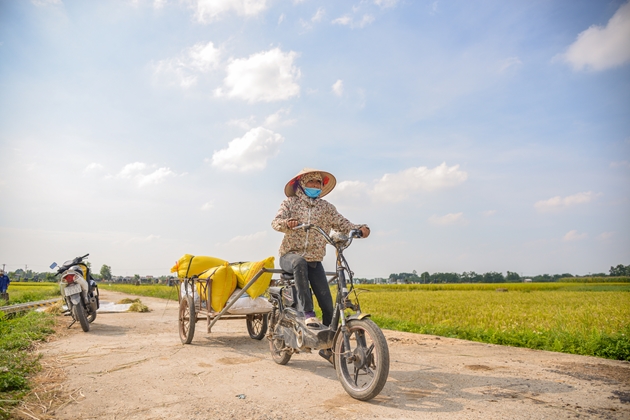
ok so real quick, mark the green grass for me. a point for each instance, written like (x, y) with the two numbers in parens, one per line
(150, 290)
(31, 292)
(17, 361)
(620, 279)
(586, 319)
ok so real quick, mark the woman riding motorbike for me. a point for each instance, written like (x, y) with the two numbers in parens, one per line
(301, 253)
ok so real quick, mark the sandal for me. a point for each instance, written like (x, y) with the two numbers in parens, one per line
(313, 323)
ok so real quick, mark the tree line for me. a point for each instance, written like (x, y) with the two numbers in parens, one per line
(490, 277)
(105, 274)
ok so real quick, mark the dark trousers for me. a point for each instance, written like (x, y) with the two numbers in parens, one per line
(312, 273)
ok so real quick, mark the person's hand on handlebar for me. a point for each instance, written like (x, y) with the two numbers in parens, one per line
(291, 223)
(365, 231)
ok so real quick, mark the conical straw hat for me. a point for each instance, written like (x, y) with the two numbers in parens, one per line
(328, 182)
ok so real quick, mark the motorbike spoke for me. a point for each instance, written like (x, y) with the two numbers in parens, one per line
(360, 338)
(368, 353)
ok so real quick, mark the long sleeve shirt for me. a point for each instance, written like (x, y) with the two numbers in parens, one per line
(309, 244)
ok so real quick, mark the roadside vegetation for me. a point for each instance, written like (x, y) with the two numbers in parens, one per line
(17, 360)
(151, 290)
(31, 292)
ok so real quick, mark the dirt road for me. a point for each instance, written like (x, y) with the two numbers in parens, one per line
(133, 366)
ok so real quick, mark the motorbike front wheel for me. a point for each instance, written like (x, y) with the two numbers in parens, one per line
(79, 315)
(362, 368)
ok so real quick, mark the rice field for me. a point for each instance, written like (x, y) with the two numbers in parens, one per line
(22, 292)
(588, 319)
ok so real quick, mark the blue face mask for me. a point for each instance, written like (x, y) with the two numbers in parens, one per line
(312, 192)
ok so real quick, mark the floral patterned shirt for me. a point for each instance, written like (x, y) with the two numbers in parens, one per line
(309, 244)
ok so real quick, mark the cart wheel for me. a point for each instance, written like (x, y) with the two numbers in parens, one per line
(257, 326)
(187, 319)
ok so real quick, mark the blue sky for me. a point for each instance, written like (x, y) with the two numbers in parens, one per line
(470, 136)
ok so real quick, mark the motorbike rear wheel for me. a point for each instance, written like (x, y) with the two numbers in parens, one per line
(79, 315)
(187, 319)
(276, 344)
(278, 355)
(363, 368)
(257, 326)
(92, 316)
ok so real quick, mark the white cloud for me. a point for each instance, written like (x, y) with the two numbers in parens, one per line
(277, 119)
(337, 87)
(558, 203)
(198, 59)
(399, 186)
(155, 177)
(207, 206)
(46, 2)
(319, 15)
(604, 236)
(280, 19)
(249, 152)
(244, 123)
(131, 168)
(349, 21)
(272, 121)
(434, 8)
(248, 238)
(622, 164)
(386, 3)
(136, 171)
(573, 235)
(159, 4)
(601, 48)
(266, 76)
(207, 11)
(348, 193)
(512, 62)
(448, 219)
(489, 213)
(93, 167)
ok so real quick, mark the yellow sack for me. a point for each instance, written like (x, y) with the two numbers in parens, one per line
(189, 265)
(223, 284)
(247, 270)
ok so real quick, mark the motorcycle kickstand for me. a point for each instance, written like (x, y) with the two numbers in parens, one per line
(72, 323)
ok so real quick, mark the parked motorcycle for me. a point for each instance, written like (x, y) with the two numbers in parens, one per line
(359, 349)
(79, 290)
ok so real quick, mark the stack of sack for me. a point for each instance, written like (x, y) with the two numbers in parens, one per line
(226, 278)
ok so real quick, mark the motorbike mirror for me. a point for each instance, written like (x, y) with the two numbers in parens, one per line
(53, 265)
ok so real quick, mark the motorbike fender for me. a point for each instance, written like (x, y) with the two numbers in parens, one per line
(350, 318)
(75, 299)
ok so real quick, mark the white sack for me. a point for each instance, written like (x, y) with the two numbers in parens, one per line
(246, 305)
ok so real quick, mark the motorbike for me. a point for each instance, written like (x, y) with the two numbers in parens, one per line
(79, 291)
(360, 354)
